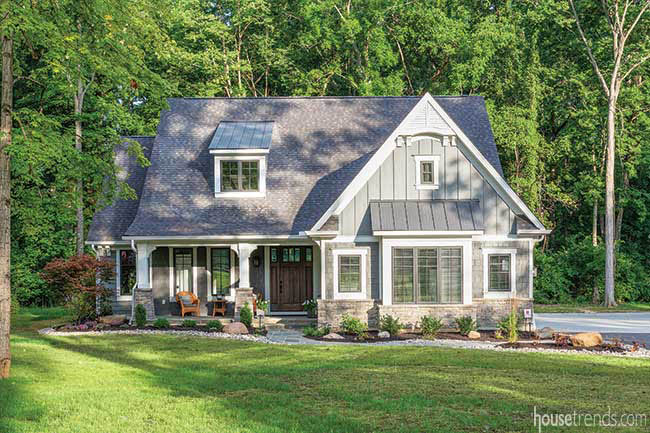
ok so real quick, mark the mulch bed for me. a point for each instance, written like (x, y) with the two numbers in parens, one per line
(485, 336)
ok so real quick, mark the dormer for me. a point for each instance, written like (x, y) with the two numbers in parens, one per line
(240, 150)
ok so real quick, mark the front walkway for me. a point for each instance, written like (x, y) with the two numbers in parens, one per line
(626, 326)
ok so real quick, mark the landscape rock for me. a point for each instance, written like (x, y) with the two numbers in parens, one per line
(473, 335)
(383, 334)
(82, 327)
(586, 339)
(546, 333)
(235, 328)
(91, 324)
(101, 326)
(114, 320)
(333, 336)
(124, 326)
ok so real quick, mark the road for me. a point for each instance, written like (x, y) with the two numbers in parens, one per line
(629, 327)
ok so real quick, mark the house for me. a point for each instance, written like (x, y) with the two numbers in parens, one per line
(372, 205)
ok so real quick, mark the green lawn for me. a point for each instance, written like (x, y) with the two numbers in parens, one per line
(591, 308)
(172, 384)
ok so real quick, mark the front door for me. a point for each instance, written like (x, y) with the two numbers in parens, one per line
(291, 277)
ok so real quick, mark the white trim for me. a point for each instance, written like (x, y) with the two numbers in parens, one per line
(419, 159)
(239, 151)
(240, 194)
(387, 265)
(533, 232)
(428, 233)
(513, 273)
(100, 243)
(531, 247)
(483, 166)
(354, 238)
(171, 273)
(363, 254)
(195, 271)
(218, 237)
(323, 283)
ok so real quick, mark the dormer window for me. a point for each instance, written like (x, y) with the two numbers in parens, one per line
(240, 150)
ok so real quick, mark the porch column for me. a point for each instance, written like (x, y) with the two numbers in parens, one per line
(245, 251)
(144, 293)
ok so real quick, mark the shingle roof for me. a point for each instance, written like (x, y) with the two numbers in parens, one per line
(242, 135)
(426, 215)
(110, 223)
(318, 146)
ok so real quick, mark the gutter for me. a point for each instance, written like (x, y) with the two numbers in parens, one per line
(134, 287)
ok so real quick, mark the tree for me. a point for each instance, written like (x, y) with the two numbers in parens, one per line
(5, 202)
(616, 14)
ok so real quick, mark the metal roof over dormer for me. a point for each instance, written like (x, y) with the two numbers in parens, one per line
(232, 135)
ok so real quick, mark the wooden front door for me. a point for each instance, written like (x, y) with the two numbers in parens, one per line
(291, 277)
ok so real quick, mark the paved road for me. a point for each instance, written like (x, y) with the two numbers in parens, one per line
(629, 327)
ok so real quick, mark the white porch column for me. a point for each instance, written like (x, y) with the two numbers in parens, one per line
(244, 251)
(142, 265)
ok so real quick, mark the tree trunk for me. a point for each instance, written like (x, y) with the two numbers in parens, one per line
(78, 108)
(610, 297)
(5, 205)
(595, 298)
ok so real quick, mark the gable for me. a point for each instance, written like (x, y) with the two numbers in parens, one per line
(480, 151)
(459, 180)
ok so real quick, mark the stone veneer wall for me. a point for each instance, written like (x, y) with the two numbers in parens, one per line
(145, 297)
(487, 312)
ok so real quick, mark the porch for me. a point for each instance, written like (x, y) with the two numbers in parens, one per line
(283, 273)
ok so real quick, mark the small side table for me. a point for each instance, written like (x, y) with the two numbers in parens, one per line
(219, 306)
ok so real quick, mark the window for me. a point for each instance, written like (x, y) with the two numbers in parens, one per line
(183, 269)
(291, 255)
(427, 275)
(127, 272)
(426, 173)
(426, 167)
(350, 279)
(220, 267)
(349, 274)
(274, 255)
(499, 272)
(239, 176)
(308, 254)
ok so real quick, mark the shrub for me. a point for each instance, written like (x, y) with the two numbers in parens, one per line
(263, 305)
(390, 324)
(465, 325)
(189, 323)
(79, 280)
(216, 325)
(140, 315)
(313, 331)
(354, 326)
(246, 315)
(105, 304)
(509, 326)
(430, 326)
(161, 323)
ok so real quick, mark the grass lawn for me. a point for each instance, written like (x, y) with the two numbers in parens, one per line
(591, 308)
(177, 384)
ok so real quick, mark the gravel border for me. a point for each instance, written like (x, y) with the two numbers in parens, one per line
(219, 335)
(453, 344)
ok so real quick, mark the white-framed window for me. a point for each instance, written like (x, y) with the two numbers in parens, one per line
(499, 272)
(240, 176)
(350, 273)
(125, 273)
(427, 171)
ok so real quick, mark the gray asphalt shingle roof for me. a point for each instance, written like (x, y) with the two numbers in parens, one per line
(318, 146)
(242, 135)
(110, 223)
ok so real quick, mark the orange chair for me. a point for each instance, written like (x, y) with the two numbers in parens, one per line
(188, 307)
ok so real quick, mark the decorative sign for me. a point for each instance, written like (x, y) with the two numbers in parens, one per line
(528, 313)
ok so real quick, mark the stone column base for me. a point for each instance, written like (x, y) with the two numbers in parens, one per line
(145, 297)
(242, 296)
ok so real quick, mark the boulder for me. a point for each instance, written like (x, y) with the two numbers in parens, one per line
(235, 328)
(333, 336)
(383, 334)
(546, 333)
(473, 335)
(91, 324)
(586, 339)
(114, 320)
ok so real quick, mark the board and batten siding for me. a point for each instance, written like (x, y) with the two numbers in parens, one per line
(395, 180)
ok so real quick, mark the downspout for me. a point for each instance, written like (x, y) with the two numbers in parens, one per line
(134, 287)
